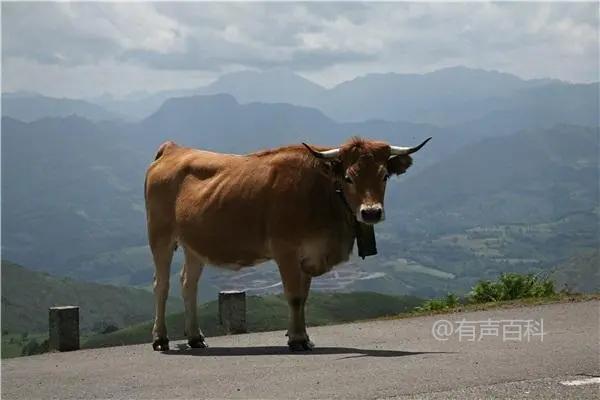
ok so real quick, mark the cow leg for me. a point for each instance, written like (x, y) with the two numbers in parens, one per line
(190, 273)
(303, 344)
(296, 285)
(163, 256)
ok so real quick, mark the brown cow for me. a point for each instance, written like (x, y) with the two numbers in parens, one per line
(296, 205)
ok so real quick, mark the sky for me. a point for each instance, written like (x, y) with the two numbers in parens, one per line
(87, 49)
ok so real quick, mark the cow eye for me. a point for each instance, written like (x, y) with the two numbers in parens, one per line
(386, 177)
(348, 179)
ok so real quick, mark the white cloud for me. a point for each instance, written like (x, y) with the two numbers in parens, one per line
(90, 80)
(181, 44)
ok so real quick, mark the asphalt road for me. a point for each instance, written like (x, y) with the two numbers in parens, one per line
(388, 359)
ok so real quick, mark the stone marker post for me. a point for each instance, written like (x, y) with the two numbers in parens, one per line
(64, 328)
(232, 311)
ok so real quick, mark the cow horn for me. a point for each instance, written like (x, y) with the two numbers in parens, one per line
(333, 153)
(402, 151)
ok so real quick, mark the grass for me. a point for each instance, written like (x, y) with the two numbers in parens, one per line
(512, 286)
(561, 297)
(17, 345)
(13, 343)
(450, 301)
(509, 286)
(509, 290)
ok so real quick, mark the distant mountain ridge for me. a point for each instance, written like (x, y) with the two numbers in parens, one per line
(90, 221)
(73, 189)
(276, 86)
(92, 174)
(29, 107)
(444, 97)
(447, 96)
(204, 121)
(529, 176)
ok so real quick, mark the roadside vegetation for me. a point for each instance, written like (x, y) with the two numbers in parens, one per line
(509, 286)
(23, 344)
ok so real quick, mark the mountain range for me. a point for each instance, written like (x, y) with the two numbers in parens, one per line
(509, 181)
(445, 97)
(29, 107)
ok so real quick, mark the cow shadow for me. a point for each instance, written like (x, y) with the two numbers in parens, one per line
(184, 350)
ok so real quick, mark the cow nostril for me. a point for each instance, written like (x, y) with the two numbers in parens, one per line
(371, 214)
(377, 214)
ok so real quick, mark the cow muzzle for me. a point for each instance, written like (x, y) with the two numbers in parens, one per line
(370, 213)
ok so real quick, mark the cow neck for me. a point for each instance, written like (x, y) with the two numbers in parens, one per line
(350, 214)
(340, 193)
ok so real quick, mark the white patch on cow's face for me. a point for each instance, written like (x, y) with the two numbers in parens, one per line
(370, 214)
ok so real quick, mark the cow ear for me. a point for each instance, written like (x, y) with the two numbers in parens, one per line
(399, 164)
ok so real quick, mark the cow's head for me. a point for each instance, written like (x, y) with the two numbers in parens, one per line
(362, 169)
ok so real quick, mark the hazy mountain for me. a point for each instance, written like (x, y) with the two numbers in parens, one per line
(536, 108)
(529, 176)
(206, 121)
(220, 123)
(444, 97)
(139, 105)
(29, 107)
(274, 86)
(73, 199)
(72, 189)
(68, 188)
(27, 295)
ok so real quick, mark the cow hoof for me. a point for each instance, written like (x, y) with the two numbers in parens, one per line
(301, 345)
(197, 343)
(160, 344)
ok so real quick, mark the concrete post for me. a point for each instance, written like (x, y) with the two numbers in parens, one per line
(63, 328)
(232, 311)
